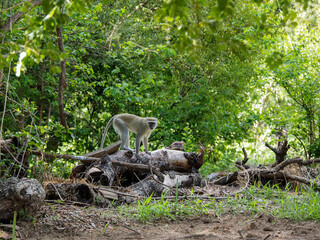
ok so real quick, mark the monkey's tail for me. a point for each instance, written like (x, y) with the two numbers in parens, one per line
(105, 132)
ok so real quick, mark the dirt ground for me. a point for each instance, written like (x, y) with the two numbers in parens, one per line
(55, 221)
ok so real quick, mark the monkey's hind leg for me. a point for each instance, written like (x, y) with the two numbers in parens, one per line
(125, 140)
(123, 131)
(128, 142)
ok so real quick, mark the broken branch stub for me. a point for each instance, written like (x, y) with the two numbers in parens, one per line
(280, 151)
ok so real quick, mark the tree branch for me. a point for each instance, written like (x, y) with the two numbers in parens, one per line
(285, 163)
(272, 148)
(17, 16)
(7, 9)
(83, 159)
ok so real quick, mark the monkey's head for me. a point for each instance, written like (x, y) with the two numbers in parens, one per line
(152, 123)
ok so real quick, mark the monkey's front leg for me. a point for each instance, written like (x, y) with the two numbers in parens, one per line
(137, 145)
(145, 145)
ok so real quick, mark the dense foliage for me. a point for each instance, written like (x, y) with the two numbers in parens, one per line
(224, 73)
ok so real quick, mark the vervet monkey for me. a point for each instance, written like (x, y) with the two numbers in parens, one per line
(123, 123)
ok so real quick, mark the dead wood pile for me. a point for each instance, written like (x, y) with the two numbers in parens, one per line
(109, 175)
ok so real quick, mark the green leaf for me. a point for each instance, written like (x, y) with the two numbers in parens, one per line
(114, 92)
(274, 60)
(115, 71)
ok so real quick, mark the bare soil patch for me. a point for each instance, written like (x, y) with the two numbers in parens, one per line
(56, 221)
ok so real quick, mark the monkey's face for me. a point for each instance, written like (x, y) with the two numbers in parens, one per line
(152, 125)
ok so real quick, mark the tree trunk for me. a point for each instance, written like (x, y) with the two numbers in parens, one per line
(62, 80)
(20, 194)
(42, 93)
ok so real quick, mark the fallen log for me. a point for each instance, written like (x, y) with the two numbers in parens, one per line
(79, 194)
(139, 167)
(147, 187)
(182, 180)
(122, 168)
(174, 159)
(299, 161)
(20, 194)
(281, 173)
(75, 192)
(267, 175)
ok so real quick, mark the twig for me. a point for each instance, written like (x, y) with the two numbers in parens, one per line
(68, 202)
(266, 237)
(13, 157)
(144, 189)
(9, 226)
(20, 105)
(26, 146)
(5, 104)
(209, 197)
(240, 167)
(241, 236)
(144, 48)
(303, 145)
(131, 229)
